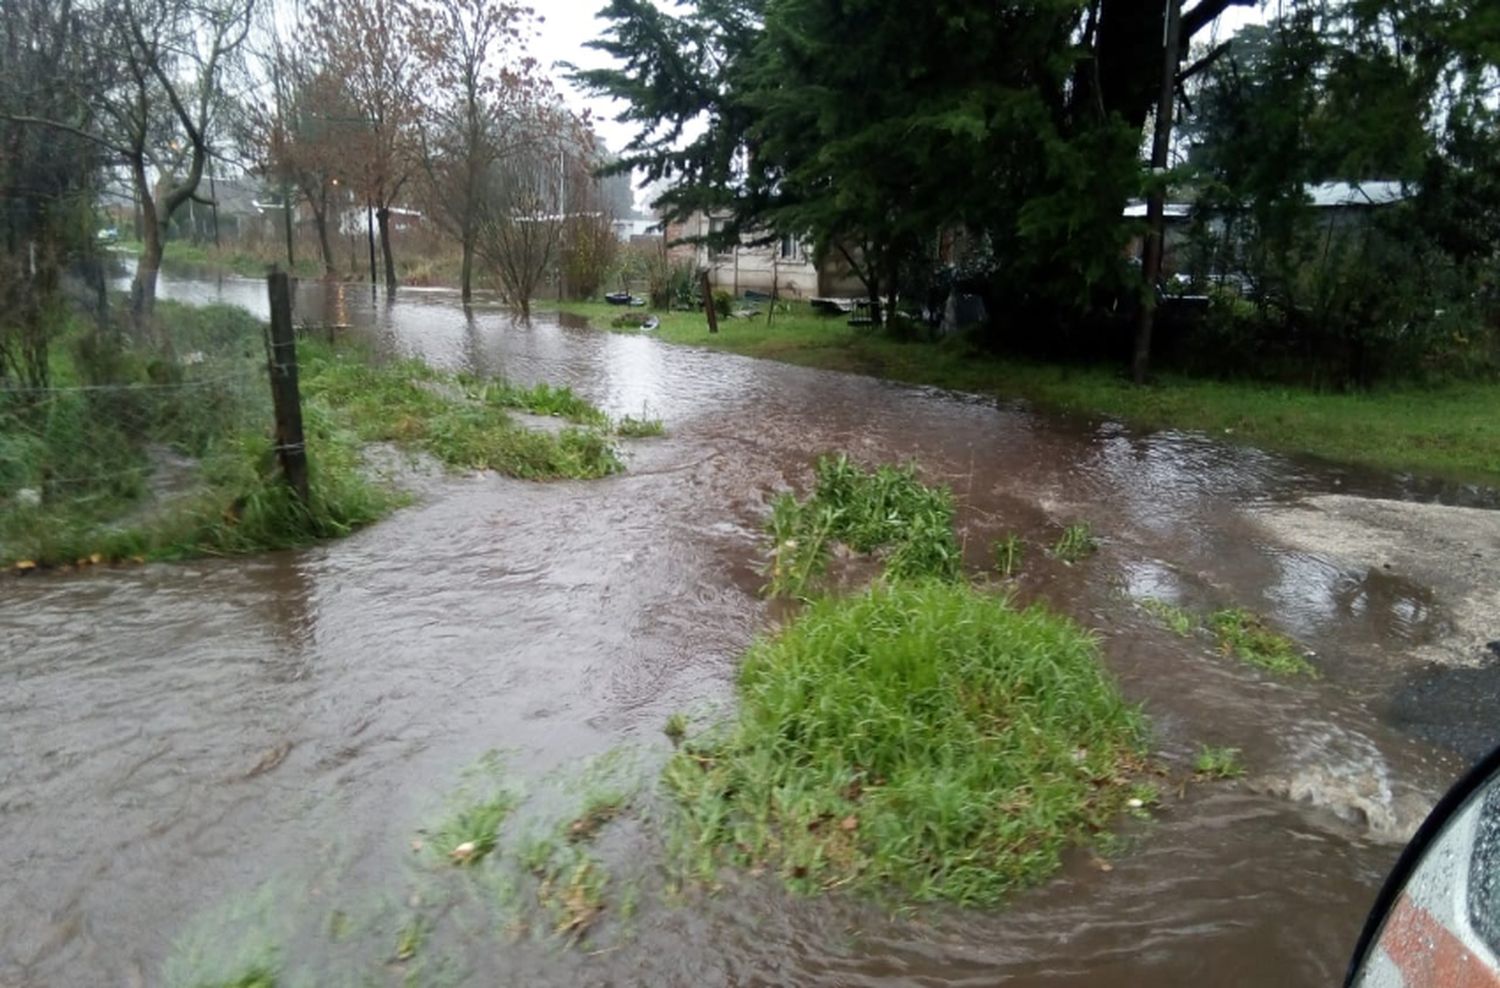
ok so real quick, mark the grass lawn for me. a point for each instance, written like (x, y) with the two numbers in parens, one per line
(1451, 430)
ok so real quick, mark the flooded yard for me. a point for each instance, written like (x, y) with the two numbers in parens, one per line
(208, 754)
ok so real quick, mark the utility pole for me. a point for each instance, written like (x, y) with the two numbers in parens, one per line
(1161, 145)
(213, 195)
(370, 235)
(286, 212)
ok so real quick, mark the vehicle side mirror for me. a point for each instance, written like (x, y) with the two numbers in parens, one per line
(1436, 922)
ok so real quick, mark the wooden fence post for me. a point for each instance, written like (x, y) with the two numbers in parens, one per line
(291, 448)
(708, 304)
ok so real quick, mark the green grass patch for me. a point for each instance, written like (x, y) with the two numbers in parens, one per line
(240, 260)
(921, 737)
(886, 510)
(462, 422)
(639, 428)
(541, 399)
(1181, 622)
(676, 727)
(1008, 553)
(1076, 542)
(1449, 430)
(1218, 763)
(1245, 634)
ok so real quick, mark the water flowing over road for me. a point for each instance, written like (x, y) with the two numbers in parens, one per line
(179, 740)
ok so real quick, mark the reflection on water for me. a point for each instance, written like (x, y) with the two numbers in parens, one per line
(172, 737)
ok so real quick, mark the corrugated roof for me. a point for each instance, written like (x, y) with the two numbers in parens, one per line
(1323, 194)
(1358, 193)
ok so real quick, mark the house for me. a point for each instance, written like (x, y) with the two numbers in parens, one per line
(783, 266)
(1338, 207)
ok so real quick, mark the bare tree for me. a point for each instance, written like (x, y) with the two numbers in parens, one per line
(174, 54)
(520, 225)
(488, 110)
(300, 137)
(374, 50)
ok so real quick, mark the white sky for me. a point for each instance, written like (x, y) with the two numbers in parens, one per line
(567, 26)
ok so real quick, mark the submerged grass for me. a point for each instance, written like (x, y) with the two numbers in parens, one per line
(1218, 763)
(1008, 553)
(922, 736)
(639, 428)
(885, 510)
(1181, 622)
(1076, 542)
(1246, 635)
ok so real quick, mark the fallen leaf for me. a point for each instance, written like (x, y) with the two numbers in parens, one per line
(25, 564)
(849, 823)
(463, 852)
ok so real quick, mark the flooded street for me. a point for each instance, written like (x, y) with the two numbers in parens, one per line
(249, 745)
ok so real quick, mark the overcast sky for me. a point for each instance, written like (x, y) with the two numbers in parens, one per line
(568, 25)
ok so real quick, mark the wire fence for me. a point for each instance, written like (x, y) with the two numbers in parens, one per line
(130, 427)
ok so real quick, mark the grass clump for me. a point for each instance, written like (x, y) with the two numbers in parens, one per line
(639, 428)
(922, 736)
(1076, 542)
(543, 399)
(886, 509)
(1246, 635)
(1178, 620)
(1218, 763)
(471, 828)
(1008, 552)
(676, 727)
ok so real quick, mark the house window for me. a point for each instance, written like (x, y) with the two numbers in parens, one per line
(788, 247)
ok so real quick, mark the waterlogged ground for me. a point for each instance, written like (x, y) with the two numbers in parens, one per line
(206, 762)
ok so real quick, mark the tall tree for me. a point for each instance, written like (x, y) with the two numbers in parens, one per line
(1018, 121)
(374, 48)
(487, 110)
(161, 118)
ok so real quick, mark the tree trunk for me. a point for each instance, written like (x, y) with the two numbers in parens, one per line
(286, 215)
(143, 288)
(383, 219)
(320, 222)
(467, 275)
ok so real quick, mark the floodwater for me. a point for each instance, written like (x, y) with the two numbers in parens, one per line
(197, 755)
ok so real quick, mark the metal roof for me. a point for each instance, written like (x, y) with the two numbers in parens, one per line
(1357, 193)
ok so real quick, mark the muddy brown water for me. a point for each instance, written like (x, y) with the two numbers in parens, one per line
(199, 756)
